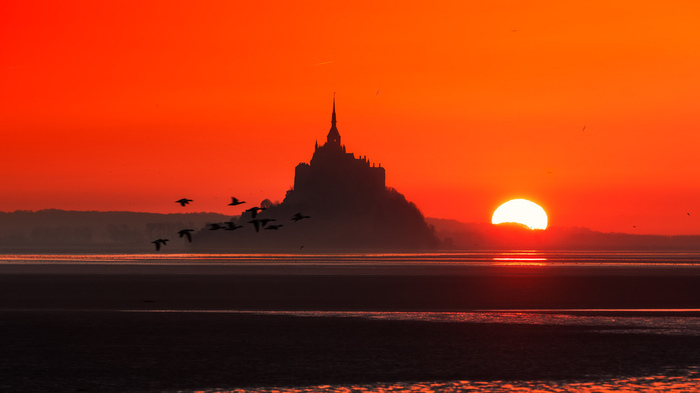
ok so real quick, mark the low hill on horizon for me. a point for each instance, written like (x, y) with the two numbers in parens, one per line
(485, 236)
(53, 230)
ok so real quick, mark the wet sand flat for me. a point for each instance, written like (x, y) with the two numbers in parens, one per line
(393, 288)
(109, 351)
(68, 330)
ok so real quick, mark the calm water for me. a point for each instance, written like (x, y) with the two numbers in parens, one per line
(657, 383)
(684, 322)
(690, 382)
(653, 322)
(475, 258)
(681, 322)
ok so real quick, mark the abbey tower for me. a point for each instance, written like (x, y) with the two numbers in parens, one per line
(332, 170)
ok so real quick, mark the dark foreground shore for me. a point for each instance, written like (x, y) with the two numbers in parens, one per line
(130, 352)
(69, 332)
(339, 288)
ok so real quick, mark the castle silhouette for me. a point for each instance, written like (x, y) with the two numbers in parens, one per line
(349, 206)
(332, 169)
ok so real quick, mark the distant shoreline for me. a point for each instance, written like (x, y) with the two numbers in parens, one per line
(60, 231)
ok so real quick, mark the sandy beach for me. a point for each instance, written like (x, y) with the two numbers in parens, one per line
(78, 330)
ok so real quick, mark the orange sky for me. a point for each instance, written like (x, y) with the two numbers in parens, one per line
(130, 105)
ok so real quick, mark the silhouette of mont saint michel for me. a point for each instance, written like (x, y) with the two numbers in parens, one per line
(338, 202)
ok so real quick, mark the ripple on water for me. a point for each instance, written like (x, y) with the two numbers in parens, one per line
(689, 382)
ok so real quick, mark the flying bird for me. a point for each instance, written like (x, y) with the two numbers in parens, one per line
(158, 242)
(231, 226)
(299, 216)
(215, 226)
(183, 201)
(235, 202)
(264, 221)
(274, 227)
(186, 233)
(260, 222)
(256, 224)
(255, 210)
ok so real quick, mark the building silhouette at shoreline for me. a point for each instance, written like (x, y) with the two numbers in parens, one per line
(331, 163)
(348, 204)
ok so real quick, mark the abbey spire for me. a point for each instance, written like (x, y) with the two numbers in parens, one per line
(333, 137)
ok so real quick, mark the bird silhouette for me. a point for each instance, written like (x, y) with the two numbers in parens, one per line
(255, 210)
(260, 222)
(264, 221)
(158, 242)
(186, 233)
(235, 202)
(274, 227)
(231, 226)
(256, 224)
(215, 226)
(183, 201)
(299, 216)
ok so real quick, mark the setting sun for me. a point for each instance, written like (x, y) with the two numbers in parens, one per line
(521, 211)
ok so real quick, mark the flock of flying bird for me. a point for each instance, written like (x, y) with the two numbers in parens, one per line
(258, 223)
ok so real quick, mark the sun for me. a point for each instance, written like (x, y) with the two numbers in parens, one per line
(521, 211)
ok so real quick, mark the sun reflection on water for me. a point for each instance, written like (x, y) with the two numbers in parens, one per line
(519, 258)
(462, 258)
(519, 261)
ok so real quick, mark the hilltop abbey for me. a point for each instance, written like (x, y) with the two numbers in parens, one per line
(349, 206)
(332, 167)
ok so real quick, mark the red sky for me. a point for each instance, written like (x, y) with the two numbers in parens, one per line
(588, 109)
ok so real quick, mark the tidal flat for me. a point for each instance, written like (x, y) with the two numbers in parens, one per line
(101, 326)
